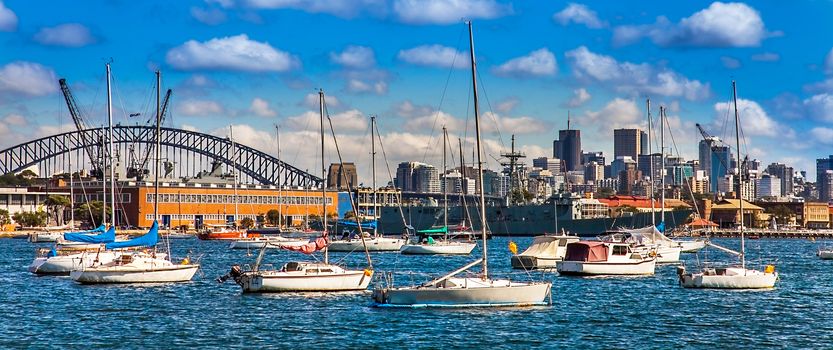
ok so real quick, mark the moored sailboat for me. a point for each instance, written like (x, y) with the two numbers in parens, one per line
(298, 276)
(137, 266)
(733, 277)
(451, 291)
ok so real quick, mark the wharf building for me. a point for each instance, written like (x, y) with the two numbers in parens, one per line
(196, 205)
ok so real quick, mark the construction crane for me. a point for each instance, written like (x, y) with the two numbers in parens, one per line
(140, 170)
(78, 119)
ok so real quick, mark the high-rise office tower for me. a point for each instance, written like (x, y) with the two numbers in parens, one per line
(627, 143)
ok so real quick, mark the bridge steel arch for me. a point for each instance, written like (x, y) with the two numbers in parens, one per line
(258, 165)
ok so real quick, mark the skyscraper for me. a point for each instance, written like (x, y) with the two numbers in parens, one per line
(568, 148)
(643, 142)
(627, 143)
(593, 156)
(721, 160)
(785, 174)
(705, 152)
(823, 178)
(554, 165)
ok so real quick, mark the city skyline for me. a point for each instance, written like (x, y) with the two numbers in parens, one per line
(258, 63)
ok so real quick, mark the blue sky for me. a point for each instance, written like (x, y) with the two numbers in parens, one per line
(256, 63)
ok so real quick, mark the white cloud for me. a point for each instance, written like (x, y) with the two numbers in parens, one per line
(820, 107)
(67, 35)
(618, 113)
(447, 11)
(354, 57)
(719, 25)
(260, 108)
(507, 105)
(634, 78)
(8, 20)
(359, 86)
(195, 107)
(27, 78)
(347, 121)
(828, 62)
(754, 119)
(730, 62)
(579, 14)
(234, 53)
(434, 56)
(339, 8)
(311, 101)
(538, 63)
(766, 57)
(210, 17)
(493, 122)
(822, 135)
(15, 120)
(580, 96)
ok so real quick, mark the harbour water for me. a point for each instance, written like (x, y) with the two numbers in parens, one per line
(645, 312)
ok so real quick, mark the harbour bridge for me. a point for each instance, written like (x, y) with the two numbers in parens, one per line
(189, 151)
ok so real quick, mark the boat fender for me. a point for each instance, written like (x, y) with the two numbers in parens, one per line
(185, 261)
(653, 254)
(769, 269)
(368, 272)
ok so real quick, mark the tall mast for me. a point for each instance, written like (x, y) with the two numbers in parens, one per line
(280, 186)
(740, 177)
(234, 170)
(651, 163)
(373, 169)
(110, 147)
(445, 182)
(479, 151)
(662, 161)
(323, 176)
(158, 145)
(103, 181)
(71, 195)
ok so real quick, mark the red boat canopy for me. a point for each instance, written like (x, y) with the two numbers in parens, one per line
(311, 247)
(589, 251)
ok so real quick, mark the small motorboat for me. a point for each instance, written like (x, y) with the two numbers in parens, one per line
(585, 258)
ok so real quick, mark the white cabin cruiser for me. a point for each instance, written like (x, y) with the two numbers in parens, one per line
(586, 258)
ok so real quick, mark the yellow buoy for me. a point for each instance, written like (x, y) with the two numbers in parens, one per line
(769, 269)
(513, 247)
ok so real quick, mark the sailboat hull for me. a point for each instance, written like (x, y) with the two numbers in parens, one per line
(110, 275)
(729, 278)
(379, 244)
(440, 248)
(585, 268)
(466, 292)
(691, 246)
(277, 281)
(62, 264)
(269, 242)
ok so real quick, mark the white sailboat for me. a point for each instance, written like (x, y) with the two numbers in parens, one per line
(374, 242)
(304, 276)
(451, 291)
(544, 252)
(78, 249)
(735, 277)
(137, 266)
(429, 246)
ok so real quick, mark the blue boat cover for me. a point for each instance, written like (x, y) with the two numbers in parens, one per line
(104, 237)
(147, 240)
(367, 225)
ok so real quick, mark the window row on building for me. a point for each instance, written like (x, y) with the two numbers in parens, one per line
(242, 199)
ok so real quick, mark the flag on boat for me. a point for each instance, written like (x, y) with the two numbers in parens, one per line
(147, 240)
